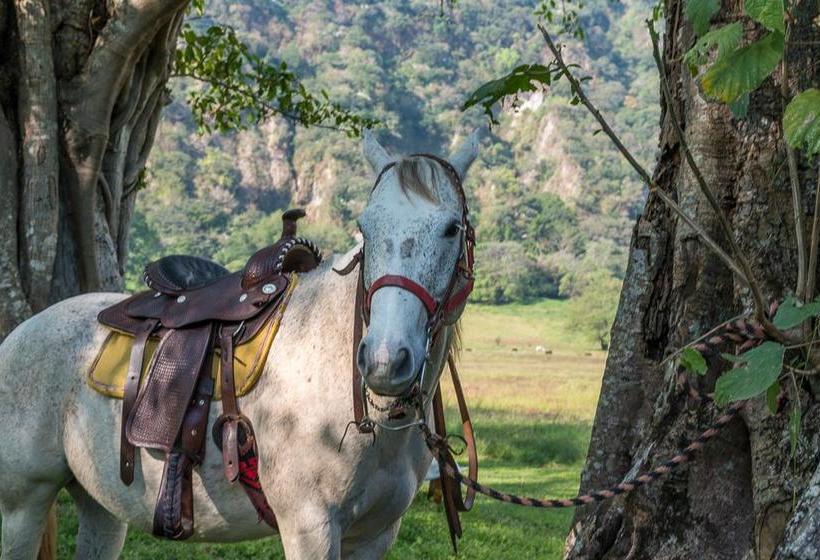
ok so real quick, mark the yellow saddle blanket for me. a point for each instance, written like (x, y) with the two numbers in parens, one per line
(107, 373)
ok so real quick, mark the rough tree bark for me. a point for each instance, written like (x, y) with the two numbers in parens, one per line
(743, 497)
(82, 85)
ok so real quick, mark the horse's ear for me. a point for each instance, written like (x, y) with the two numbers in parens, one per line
(465, 154)
(374, 152)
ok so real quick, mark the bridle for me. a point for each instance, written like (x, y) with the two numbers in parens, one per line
(439, 311)
(455, 295)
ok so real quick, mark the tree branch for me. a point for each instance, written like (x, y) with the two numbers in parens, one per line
(811, 273)
(274, 110)
(794, 180)
(653, 188)
(743, 271)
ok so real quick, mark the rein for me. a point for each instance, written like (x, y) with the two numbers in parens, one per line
(744, 333)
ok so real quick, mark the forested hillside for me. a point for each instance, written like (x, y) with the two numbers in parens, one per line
(552, 201)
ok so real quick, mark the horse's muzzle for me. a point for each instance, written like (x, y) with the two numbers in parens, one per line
(389, 369)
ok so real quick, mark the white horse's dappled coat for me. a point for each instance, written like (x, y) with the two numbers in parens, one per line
(57, 432)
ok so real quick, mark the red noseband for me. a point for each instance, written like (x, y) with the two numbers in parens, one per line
(404, 283)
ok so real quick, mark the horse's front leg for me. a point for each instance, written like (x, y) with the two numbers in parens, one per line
(310, 534)
(373, 548)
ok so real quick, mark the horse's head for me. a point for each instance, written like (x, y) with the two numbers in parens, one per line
(417, 263)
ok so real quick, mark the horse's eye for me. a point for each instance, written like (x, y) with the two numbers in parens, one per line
(452, 229)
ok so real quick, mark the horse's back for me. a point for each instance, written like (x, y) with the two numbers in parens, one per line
(63, 333)
(42, 363)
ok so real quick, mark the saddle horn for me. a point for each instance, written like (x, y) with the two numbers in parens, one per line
(289, 220)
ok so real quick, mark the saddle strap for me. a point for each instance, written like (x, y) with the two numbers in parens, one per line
(234, 433)
(130, 392)
(230, 410)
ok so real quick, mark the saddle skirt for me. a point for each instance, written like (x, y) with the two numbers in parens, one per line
(109, 369)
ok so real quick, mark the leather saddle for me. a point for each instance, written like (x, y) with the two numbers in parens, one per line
(198, 309)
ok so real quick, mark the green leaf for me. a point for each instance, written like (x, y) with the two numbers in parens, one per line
(740, 106)
(693, 361)
(762, 366)
(795, 420)
(771, 397)
(732, 358)
(801, 121)
(699, 12)
(743, 70)
(527, 77)
(725, 38)
(769, 13)
(240, 89)
(791, 313)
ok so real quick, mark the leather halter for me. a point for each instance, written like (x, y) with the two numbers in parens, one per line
(437, 311)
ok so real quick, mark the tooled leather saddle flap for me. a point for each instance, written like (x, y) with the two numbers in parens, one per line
(157, 415)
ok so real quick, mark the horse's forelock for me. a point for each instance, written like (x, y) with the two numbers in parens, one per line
(415, 176)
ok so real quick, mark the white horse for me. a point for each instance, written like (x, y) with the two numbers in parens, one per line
(59, 433)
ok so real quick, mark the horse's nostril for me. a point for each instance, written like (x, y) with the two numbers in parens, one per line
(403, 365)
(361, 358)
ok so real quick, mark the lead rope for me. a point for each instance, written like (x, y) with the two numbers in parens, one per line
(745, 333)
(437, 446)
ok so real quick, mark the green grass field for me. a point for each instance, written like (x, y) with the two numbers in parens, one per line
(532, 414)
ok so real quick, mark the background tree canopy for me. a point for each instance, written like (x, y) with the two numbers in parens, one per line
(552, 202)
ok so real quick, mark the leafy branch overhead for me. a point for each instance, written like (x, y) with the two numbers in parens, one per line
(523, 79)
(240, 88)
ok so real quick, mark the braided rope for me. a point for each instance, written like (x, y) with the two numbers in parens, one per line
(744, 333)
(684, 456)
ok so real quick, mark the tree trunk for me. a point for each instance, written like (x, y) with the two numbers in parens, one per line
(737, 499)
(82, 85)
